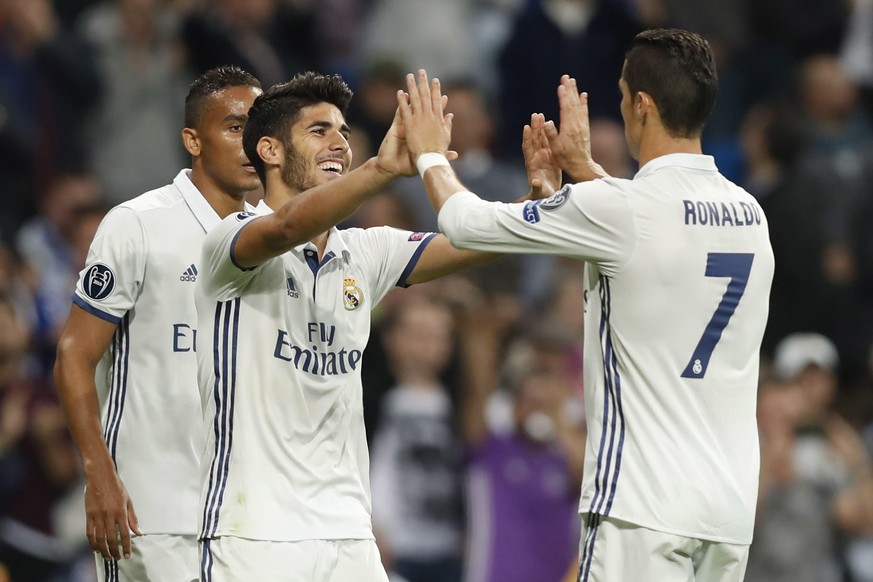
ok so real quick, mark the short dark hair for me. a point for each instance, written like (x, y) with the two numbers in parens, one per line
(211, 82)
(677, 69)
(278, 108)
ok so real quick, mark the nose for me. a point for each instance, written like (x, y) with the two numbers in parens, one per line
(339, 143)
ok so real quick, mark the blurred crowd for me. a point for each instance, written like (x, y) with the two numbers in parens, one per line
(473, 390)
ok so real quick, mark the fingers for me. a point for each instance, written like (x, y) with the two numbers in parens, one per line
(414, 95)
(451, 155)
(108, 540)
(424, 93)
(550, 131)
(125, 540)
(526, 141)
(436, 96)
(132, 519)
(425, 96)
(403, 106)
(536, 189)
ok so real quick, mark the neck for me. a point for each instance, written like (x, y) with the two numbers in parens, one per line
(223, 203)
(662, 144)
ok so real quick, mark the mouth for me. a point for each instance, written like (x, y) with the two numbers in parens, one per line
(331, 167)
(249, 168)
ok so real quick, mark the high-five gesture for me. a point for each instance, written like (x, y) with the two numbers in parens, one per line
(543, 172)
(571, 146)
(427, 128)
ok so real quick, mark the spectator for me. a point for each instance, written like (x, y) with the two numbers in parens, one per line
(816, 478)
(522, 485)
(50, 246)
(837, 124)
(270, 38)
(133, 135)
(416, 460)
(393, 31)
(32, 421)
(48, 83)
(583, 38)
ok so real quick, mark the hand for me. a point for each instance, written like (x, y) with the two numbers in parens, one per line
(543, 172)
(394, 156)
(847, 444)
(571, 146)
(427, 128)
(109, 515)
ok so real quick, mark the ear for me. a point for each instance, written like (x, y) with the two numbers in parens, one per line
(271, 151)
(191, 141)
(644, 106)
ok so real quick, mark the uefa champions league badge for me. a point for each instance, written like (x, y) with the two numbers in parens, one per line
(557, 199)
(353, 297)
(98, 281)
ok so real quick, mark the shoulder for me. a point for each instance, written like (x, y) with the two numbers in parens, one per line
(232, 223)
(586, 195)
(164, 198)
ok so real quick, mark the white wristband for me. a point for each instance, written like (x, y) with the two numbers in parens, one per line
(429, 160)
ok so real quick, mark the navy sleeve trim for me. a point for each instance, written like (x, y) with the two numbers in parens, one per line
(233, 248)
(410, 266)
(94, 311)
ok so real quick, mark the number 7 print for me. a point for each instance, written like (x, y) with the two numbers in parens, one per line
(737, 267)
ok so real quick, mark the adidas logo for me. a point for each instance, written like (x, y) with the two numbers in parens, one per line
(292, 290)
(190, 274)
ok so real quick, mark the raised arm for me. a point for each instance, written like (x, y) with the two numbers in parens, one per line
(571, 146)
(108, 509)
(316, 210)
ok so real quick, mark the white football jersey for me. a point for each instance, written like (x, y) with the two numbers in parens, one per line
(677, 288)
(140, 274)
(280, 377)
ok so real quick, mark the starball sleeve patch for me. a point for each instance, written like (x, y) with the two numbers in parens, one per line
(98, 282)
(557, 199)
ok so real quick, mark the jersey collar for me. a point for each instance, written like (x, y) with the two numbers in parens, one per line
(203, 212)
(688, 161)
(335, 243)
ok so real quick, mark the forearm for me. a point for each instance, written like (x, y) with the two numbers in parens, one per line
(317, 210)
(441, 183)
(583, 170)
(78, 395)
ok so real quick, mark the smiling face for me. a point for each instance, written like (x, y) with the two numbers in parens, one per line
(318, 149)
(219, 161)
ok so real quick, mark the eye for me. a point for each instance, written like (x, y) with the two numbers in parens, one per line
(236, 128)
(319, 131)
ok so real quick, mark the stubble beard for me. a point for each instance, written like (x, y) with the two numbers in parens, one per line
(295, 171)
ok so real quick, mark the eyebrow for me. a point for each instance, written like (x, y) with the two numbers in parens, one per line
(235, 117)
(344, 128)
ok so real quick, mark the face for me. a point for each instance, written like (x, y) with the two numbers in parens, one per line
(632, 127)
(422, 338)
(220, 158)
(539, 401)
(471, 128)
(319, 148)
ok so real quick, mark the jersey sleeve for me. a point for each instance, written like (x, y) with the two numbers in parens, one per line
(110, 283)
(222, 277)
(390, 255)
(592, 221)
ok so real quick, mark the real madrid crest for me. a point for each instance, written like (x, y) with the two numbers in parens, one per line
(353, 297)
